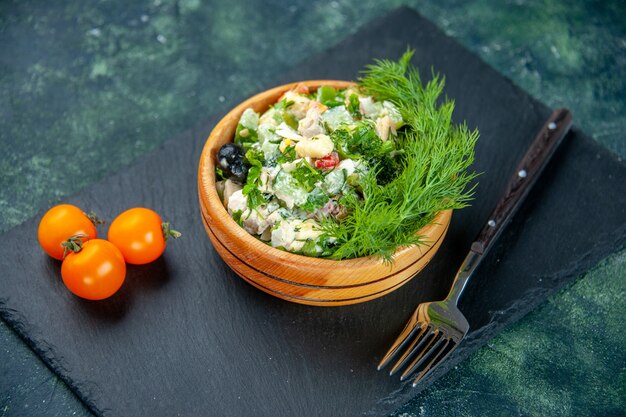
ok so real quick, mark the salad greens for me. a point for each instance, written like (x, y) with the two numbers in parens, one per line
(352, 172)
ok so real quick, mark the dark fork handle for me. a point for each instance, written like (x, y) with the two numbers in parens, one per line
(525, 175)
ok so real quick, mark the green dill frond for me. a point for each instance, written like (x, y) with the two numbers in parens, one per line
(434, 177)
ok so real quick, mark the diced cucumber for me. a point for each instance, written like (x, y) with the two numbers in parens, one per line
(336, 117)
(334, 181)
(249, 119)
(289, 190)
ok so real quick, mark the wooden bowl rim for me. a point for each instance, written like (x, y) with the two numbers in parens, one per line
(216, 214)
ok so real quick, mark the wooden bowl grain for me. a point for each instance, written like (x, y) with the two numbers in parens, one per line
(292, 277)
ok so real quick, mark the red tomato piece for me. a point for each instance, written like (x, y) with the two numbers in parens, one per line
(328, 162)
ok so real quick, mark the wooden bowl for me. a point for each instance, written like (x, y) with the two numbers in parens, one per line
(292, 277)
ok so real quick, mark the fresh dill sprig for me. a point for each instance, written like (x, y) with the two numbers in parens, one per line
(434, 177)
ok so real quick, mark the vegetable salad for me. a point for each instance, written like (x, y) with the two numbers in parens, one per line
(288, 174)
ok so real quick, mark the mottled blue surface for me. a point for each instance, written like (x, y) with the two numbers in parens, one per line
(87, 87)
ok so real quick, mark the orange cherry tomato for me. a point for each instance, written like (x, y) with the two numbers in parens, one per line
(140, 235)
(61, 222)
(96, 271)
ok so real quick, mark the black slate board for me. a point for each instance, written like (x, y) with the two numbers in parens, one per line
(185, 336)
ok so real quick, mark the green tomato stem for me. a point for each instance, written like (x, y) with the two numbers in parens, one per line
(94, 218)
(169, 232)
(73, 244)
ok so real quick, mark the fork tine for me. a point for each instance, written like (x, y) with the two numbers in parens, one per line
(425, 334)
(408, 331)
(441, 355)
(433, 345)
